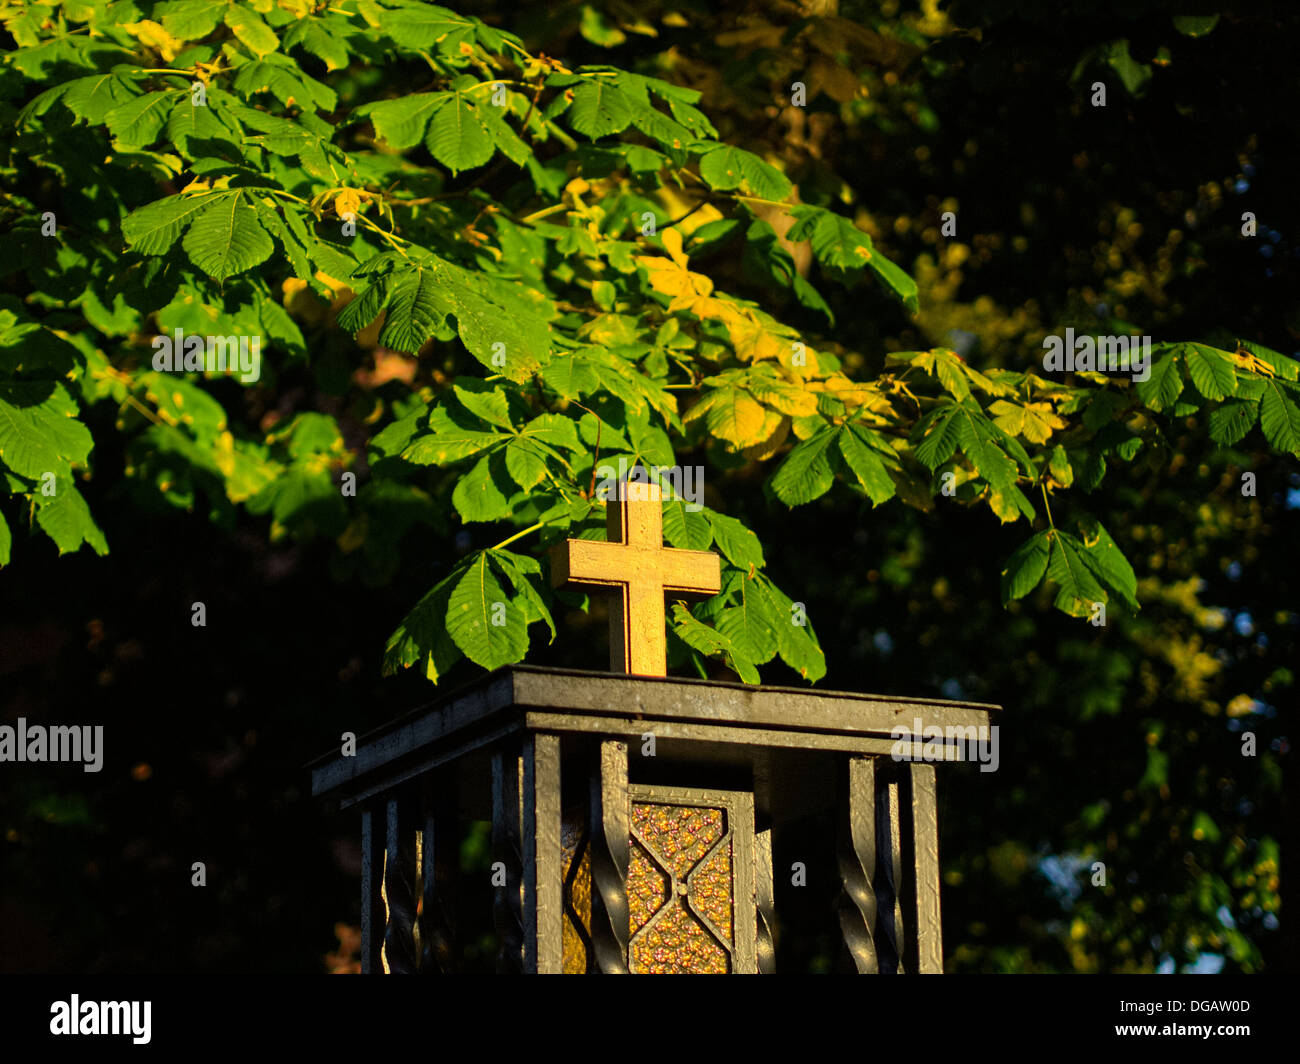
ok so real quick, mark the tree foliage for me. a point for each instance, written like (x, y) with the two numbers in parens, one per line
(225, 164)
(479, 273)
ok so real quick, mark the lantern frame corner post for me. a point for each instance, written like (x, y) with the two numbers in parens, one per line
(373, 914)
(543, 881)
(507, 851)
(925, 842)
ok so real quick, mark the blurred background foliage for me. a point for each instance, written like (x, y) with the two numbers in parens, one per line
(1120, 745)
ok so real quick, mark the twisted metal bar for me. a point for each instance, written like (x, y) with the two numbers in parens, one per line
(438, 840)
(508, 901)
(764, 903)
(399, 888)
(857, 859)
(889, 877)
(610, 854)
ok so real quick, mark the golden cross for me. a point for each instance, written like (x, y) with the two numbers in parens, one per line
(636, 565)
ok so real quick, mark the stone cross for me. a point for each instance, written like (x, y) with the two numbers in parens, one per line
(638, 570)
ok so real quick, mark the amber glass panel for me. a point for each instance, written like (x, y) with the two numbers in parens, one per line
(577, 894)
(670, 849)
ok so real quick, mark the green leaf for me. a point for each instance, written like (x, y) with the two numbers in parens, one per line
(486, 402)
(39, 432)
(896, 279)
(256, 35)
(1230, 422)
(190, 20)
(749, 627)
(865, 465)
(489, 312)
(66, 519)
(795, 643)
(138, 122)
(980, 442)
(416, 310)
(525, 463)
(1211, 371)
(155, 227)
(94, 97)
(1078, 588)
(188, 122)
(806, 472)
(738, 544)
(599, 108)
(313, 36)
(457, 136)
(938, 433)
(401, 123)
(1279, 418)
(6, 541)
(227, 238)
(838, 243)
(448, 442)
(685, 529)
(517, 568)
(479, 495)
(727, 168)
(709, 641)
(293, 249)
(1026, 567)
(555, 430)
(422, 635)
(483, 621)
(1165, 384)
(422, 25)
(1108, 563)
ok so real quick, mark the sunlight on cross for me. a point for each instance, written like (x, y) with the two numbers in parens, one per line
(636, 567)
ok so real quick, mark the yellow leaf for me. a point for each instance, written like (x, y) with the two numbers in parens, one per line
(737, 418)
(672, 241)
(853, 394)
(765, 449)
(1034, 421)
(152, 35)
(807, 366)
(1003, 506)
(783, 395)
(753, 343)
(672, 278)
(347, 202)
(336, 286)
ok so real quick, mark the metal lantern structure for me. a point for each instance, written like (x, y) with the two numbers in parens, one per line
(632, 815)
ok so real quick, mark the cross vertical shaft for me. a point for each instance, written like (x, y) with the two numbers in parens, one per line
(638, 570)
